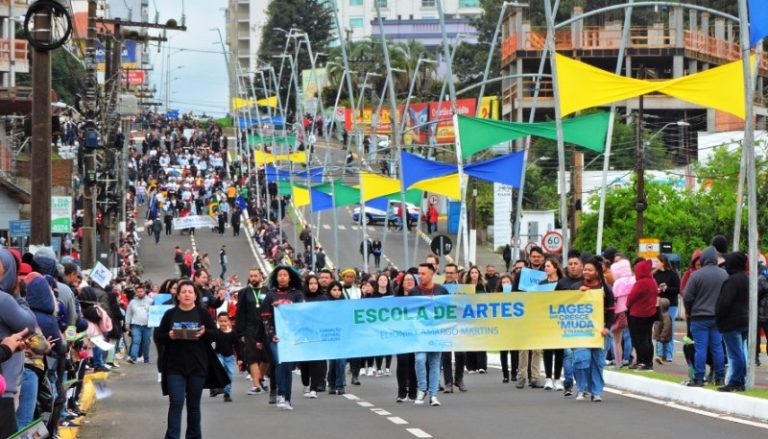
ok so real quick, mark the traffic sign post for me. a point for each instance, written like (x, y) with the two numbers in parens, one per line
(441, 245)
(530, 246)
(434, 199)
(19, 228)
(552, 242)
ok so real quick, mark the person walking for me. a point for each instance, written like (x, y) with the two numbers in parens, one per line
(376, 250)
(406, 363)
(249, 325)
(732, 318)
(336, 376)
(427, 362)
(235, 221)
(432, 218)
(313, 373)
(285, 287)
(189, 363)
(223, 261)
(137, 322)
(157, 228)
(553, 358)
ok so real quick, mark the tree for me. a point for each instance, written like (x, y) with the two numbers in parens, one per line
(688, 218)
(311, 16)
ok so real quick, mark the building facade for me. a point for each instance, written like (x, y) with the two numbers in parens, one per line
(677, 43)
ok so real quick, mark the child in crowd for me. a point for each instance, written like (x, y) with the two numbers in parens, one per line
(227, 344)
(662, 332)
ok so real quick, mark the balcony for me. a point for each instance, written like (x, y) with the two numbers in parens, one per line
(17, 52)
(19, 7)
(697, 45)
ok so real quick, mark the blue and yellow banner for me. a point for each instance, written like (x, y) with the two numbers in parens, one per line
(481, 322)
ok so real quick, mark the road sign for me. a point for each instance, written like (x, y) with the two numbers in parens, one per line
(20, 228)
(649, 248)
(530, 246)
(441, 245)
(433, 199)
(552, 242)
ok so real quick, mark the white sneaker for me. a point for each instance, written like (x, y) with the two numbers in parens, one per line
(559, 385)
(548, 384)
(312, 394)
(581, 396)
(255, 390)
(286, 405)
(370, 372)
(306, 389)
(306, 394)
(481, 371)
(280, 401)
(387, 372)
(248, 377)
(419, 397)
(434, 402)
(159, 377)
(379, 373)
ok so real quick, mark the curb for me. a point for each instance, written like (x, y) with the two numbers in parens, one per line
(87, 400)
(730, 403)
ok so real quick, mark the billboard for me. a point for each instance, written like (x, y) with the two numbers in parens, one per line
(440, 112)
(311, 89)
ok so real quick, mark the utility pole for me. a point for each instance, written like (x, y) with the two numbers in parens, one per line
(640, 202)
(88, 251)
(41, 133)
(577, 173)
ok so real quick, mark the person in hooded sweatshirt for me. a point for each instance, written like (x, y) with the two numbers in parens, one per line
(42, 302)
(623, 280)
(700, 297)
(732, 318)
(285, 288)
(641, 309)
(15, 317)
(313, 372)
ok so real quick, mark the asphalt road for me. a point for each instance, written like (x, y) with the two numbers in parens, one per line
(489, 410)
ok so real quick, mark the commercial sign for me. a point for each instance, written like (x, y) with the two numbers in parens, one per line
(128, 55)
(19, 228)
(133, 77)
(502, 214)
(460, 322)
(649, 248)
(442, 113)
(61, 214)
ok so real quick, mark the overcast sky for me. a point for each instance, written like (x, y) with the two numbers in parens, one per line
(202, 81)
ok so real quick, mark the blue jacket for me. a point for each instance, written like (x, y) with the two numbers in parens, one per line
(42, 303)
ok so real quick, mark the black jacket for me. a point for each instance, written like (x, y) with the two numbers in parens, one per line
(248, 321)
(732, 310)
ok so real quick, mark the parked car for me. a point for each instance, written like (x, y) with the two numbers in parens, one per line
(374, 215)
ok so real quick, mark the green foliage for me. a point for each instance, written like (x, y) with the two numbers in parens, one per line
(688, 218)
(67, 76)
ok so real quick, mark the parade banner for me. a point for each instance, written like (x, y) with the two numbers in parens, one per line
(192, 221)
(468, 322)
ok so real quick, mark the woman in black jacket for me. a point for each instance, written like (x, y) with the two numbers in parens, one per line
(189, 363)
(669, 288)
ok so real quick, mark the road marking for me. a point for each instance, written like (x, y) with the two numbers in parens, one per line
(370, 229)
(397, 420)
(684, 408)
(342, 227)
(351, 397)
(364, 404)
(418, 432)
(326, 227)
(381, 412)
(354, 227)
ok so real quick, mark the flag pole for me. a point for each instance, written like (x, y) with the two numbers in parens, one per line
(526, 148)
(749, 147)
(558, 126)
(609, 135)
(459, 158)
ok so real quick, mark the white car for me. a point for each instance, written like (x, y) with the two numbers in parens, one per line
(373, 215)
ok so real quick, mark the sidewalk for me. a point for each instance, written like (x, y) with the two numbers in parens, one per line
(670, 393)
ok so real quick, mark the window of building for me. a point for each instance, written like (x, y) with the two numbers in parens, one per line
(469, 3)
(427, 3)
(356, 22)
(355, 2)
(381, 3)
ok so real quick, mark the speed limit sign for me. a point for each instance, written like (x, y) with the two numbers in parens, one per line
(552, 242)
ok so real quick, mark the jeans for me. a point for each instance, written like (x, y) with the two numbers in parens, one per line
(669, 347)
(27, 398)
(429, 360)
(181, 387)
(627, 355)
(141, 336)
(568, 367)
(338, 366)
(283, 374)
(737, 364)
(229, 365)
(588, 368)
(706, 337)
